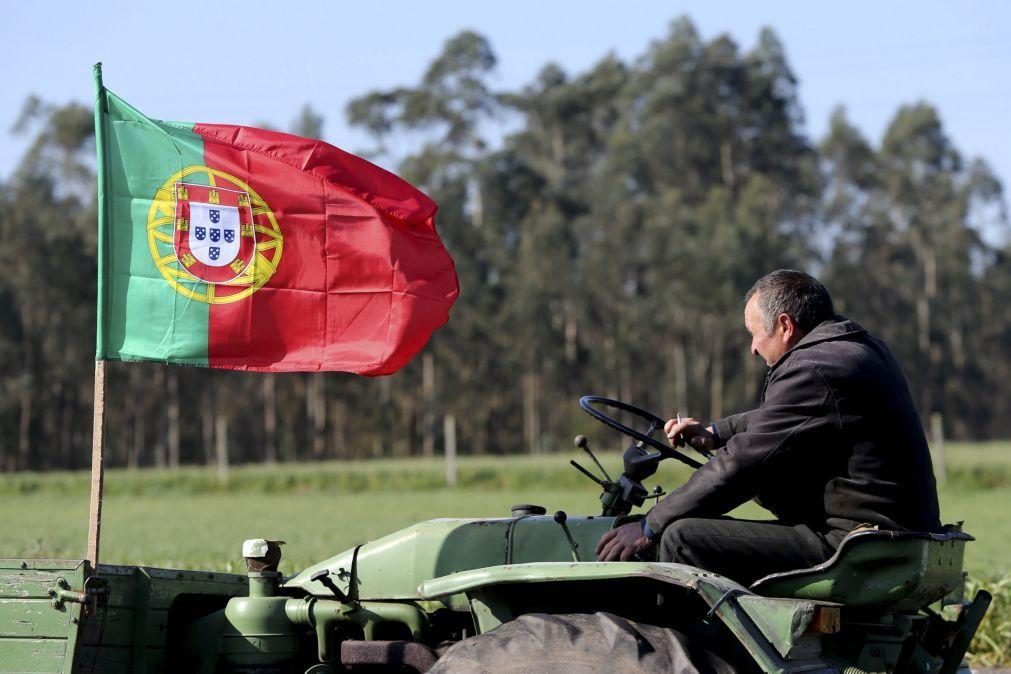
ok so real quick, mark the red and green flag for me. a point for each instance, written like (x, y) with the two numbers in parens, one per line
(233, 247)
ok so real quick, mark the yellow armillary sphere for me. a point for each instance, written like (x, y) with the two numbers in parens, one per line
(212, 237)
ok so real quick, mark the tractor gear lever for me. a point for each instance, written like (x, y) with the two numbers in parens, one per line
(584, 445)
(586, 472)
(560, 518)
(323, 578)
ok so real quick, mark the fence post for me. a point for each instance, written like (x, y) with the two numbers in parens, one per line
(449, 433)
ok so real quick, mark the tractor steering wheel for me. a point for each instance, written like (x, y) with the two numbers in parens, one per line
(655, 422)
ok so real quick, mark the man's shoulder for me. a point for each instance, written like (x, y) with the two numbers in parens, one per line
(844, 351)
(836, 328)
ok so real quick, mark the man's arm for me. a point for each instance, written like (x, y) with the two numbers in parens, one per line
(727, 427)
(797, 408)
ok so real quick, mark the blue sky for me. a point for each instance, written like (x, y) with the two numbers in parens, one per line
(261, 61)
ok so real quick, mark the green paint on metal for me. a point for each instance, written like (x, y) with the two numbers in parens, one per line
(394, 566)
(877, 571)
(490, 610)
(556, 572)
(38, 634)
(783, 622)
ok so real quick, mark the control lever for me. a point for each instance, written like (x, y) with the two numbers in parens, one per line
(323, 578)
(584, 444)
(586, 472)
(561, 517)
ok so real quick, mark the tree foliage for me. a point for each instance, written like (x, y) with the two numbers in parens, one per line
(603, 246)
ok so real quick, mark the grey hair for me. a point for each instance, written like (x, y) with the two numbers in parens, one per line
(798, 295)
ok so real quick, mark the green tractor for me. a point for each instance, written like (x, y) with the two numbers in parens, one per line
(520, 593)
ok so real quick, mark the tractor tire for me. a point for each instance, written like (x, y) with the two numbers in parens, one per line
(578, 644)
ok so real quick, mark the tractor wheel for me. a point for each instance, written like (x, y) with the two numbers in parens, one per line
(578, 644)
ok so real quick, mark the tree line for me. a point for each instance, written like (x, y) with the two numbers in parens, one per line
(603, 246)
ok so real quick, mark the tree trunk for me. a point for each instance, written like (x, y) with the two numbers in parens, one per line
(403, 433)
(428, 396)
(207, 419)
(67, 459)
(531, 412)
(221, 446)
(680, 363)
(172, 376)
(295, 441)
(139, 439)
(716, 378)
(727, 164)
(571, 339)
(131, 411)
(24, 428)
(50, 426)
(476, 203)
(316, 401)
(269, 418)
(449, 435)
(700, 368)
(160, 450)
(339, 429)
(27, 391)
(923, 311)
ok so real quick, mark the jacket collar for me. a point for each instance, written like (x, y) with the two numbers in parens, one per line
(837, 327)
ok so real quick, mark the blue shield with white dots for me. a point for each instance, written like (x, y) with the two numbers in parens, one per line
(215, 234)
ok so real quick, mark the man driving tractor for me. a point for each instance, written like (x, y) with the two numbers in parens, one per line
(836, 444)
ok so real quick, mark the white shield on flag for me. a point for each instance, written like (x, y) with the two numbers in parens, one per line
(214, 233)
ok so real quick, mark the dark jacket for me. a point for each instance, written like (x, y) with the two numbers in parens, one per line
(835, 443)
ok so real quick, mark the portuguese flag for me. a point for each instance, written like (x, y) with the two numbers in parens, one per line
(233, 247)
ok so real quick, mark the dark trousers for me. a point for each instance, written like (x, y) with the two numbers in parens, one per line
(745, 550)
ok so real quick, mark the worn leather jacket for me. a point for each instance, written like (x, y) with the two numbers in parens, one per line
(836, 443)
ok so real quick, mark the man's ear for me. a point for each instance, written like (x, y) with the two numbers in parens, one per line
(785, 323)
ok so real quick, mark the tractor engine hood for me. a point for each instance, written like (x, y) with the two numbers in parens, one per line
(393, 567)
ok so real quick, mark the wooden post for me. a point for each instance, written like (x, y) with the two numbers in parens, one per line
(97, 467)
(449, 430)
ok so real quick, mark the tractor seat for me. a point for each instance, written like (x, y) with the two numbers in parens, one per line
(891, 570)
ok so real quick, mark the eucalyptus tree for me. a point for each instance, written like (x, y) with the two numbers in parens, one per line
(446, 113)
(48, 258)
(709, 182)
(909, 257)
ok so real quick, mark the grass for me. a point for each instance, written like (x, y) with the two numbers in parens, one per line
(188, 518)
(991, 647)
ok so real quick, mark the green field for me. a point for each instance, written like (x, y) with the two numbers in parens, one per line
(189, 518)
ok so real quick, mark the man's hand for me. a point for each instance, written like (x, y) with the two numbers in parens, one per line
(623, 543)
(688, 431)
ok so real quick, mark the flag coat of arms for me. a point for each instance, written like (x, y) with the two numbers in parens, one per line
(233, 247)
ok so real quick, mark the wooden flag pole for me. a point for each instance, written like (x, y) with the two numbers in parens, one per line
(97, 467)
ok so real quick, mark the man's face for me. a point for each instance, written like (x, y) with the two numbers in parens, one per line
(770, 346)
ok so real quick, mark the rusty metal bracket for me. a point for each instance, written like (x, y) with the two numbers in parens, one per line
(96, 593)
(729, 594)
(61, 593)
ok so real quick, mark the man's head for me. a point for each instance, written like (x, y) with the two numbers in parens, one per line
(781, 308)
